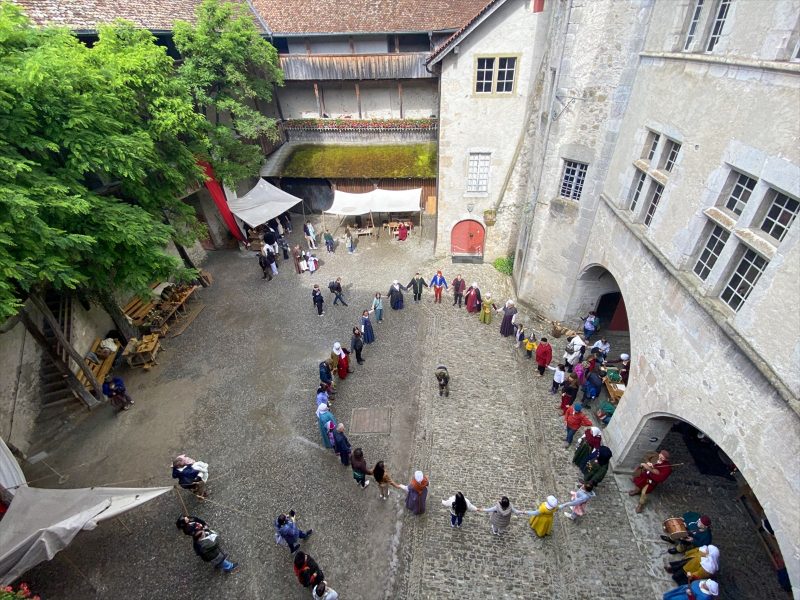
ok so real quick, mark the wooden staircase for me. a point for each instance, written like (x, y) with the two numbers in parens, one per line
(54, 388)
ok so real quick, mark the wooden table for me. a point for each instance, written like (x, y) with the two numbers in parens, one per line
(366, 231)
(143, 354)
(178, 304)
(615, 390)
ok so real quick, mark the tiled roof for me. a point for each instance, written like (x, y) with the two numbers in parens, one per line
(464, 30)
(365, 16)
(86, 14)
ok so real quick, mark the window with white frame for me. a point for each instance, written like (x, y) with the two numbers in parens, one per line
(781, 214)
(713, 248)
(692, 31)
(655, 198)
(573, 179)
(669, 155)
(505, 74)
(744, 279)
(478, 176)
(719, 23)
(636, 190)
(651, 145)
(484, 76)
(740, 193)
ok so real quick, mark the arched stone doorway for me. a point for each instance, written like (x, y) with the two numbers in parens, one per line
(597, 289)
(707, 481)
(467, 242)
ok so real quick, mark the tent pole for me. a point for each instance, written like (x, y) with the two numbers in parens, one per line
(420, 226)
(371, 218)
(177, 491)
(77, 570)
(125, 526)
(323, 221)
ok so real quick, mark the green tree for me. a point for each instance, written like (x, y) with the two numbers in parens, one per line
(96, 146)
(230, 70)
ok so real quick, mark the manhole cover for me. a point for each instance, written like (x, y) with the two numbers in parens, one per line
(371, 420)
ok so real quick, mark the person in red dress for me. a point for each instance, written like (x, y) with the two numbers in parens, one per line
(649, 477)
(343, 368)
(473, 299)
(402, 232)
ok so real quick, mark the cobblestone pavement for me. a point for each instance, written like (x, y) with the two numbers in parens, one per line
(236, 389)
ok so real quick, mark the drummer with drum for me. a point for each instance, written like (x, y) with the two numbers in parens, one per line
(697, 530)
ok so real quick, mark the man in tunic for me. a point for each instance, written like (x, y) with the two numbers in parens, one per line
(651, 474)
(395, 295)
(438, 282)
(699, 529)
(458, 290)
(416, 286)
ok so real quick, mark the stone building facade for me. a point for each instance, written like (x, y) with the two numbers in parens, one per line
(667, 169)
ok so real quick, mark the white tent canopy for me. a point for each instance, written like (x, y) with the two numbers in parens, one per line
(11, 476)
(41, 522)
(262, 203)
(345, 203)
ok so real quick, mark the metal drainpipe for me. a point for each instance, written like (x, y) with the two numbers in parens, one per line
(529, 225)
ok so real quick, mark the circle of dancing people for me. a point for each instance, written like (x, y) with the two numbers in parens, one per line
(690, 535)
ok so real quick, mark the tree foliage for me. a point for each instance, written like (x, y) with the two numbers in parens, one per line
(230, 70)
(96, 146)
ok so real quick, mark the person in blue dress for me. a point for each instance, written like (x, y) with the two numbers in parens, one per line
(366, 328)
(325, 416)
(699, 589)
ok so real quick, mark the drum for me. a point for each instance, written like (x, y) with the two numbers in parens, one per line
(675, 528)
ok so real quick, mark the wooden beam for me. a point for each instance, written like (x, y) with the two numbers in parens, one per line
(352, 46)
(75, 385)
(358, 99)
(319, 104)
(322, 100)
(397, 43)
(400, 93)
(39, 303)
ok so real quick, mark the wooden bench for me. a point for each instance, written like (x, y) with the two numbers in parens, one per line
(100, 371)
(137, 310)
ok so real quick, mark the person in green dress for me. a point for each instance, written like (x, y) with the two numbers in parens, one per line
(486, 309)
(588, 443)
(597, 466)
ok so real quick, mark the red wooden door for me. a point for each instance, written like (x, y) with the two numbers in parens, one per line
(467, 238)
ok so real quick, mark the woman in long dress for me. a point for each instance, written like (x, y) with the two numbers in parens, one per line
(402, 232)
(377, 306)
(486, 310)
(589, 442)
(417, 493)
(343, 368)
(473, 298)
(509, 318)
(366, 328)
(396, 295)
(324, 416)
(542, 520)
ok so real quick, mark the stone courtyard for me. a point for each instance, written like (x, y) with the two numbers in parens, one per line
(237, 390)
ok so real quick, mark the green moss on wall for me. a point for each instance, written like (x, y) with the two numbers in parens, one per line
(318, 160)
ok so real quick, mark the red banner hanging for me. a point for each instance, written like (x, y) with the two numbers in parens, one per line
(219, 199)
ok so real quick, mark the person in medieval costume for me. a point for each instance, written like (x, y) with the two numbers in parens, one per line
(366, 328)
(473, 298)
(416, 285)
(417, 493)
(509, 319)
(650, 475)
(486, 310)
(343, 362)
(402, 232)
(588, 443)
(437, 283)
(541, 520)
(324, 416)
(395, 295)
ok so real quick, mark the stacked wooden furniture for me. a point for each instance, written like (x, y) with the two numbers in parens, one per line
(100, 371)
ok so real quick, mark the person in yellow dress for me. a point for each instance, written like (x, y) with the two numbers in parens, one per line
(699, 563)
(542, 519)
(486, 310)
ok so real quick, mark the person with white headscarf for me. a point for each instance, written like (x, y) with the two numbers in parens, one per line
(541, 520)
(509, 319)
(699, 563)
(395, 295)
(574, 351)
(340, 357)
(324, 416)
(416, 493)
(501, 515)
(587, 443)
(625, 367)
(473, 298)
(486, 310)
(700, 589)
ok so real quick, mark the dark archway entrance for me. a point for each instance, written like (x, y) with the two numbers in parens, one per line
(611, 312)
(466, 242)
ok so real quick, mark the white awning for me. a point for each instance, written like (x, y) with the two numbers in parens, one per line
(11, 476)
(262, 203)
(41, 522)
(345, 203)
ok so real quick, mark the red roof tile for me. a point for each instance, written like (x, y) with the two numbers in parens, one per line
(365, 16)
(86, 14)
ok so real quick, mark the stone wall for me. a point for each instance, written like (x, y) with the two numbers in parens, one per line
(684, 366)
(490, 123)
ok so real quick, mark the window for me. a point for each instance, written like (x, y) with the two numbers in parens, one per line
(744, 279)
(670, 155)
(713, 248)
(740, 194)
(698, 8)
(484, 76)
(719, 23)
(780, 216)
(574, 176)
(638, 185)
(651, 145)
(505, 75)
(478, 177)
(655, 198)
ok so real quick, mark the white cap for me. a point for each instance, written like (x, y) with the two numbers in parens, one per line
(337, 346)
(551, 502)
(418, 476)
(625, 356)
(395, 281)
(710, 585)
